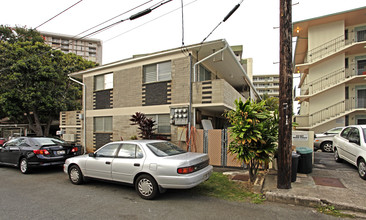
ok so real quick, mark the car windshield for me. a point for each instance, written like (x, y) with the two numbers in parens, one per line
(47, 141)
(364, 133)
(163, 149)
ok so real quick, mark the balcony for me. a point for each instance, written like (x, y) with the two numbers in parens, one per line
(352, 41)
(330, 113)
(217, 93)
(352, 74)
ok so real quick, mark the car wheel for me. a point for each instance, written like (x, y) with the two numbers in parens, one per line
(146, 187)
(75, 175)
(336, 156)
(327, 147)
(24, 166)
(361, 165)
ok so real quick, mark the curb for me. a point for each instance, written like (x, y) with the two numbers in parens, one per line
(310, 201)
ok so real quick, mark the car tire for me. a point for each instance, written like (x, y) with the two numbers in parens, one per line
(336, 156)
(361, 166)
(146, 187)
(75, 175)
(327, 146)
(24, 165)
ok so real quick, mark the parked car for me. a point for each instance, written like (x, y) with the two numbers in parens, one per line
(28, 152)
(152, 166)
(324, 141)
(350, 145)
(2, 141)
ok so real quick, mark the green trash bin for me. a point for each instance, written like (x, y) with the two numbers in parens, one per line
(306, 160)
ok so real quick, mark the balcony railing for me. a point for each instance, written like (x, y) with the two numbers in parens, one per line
(215, 92)
(335, 110)
(334, 45)
(331, 79)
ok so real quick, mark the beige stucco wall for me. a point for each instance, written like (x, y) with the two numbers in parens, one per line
(326, 99)
(325, 68)
(321, 34)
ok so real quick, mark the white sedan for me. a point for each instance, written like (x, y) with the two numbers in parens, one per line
(152, 166)
(350, 145)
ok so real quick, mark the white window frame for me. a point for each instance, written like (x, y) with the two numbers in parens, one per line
(107, 81)
(105, 128)
(157, 75)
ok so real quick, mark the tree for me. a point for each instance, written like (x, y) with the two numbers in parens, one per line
(146, 125)
(34, 84)
(254, 132)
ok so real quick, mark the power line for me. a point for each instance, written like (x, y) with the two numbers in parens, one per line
(132, 17)
(225, 19)
(147, 22)
(58, 14)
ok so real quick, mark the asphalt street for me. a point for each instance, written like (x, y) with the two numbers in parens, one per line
(48, 194)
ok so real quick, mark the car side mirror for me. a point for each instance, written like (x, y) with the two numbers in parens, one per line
(91, 154)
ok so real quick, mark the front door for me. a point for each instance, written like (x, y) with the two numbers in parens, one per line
(128, 162)
(100, 166)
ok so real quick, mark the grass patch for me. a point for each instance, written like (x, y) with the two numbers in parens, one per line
(330, 210)
(221, 187)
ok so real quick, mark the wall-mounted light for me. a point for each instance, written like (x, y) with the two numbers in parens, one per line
(298, 30)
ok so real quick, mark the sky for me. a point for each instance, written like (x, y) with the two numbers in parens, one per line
(253, 25)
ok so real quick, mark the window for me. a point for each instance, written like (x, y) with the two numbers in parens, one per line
(157, 72)
(345, 132)
(103, 124)
(107, 151)
(162, 123)
(346, 63)
(204, 74)
(163, 149)
(103, 82)
(346, 92)
(130, 151)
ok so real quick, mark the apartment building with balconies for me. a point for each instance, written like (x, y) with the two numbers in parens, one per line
(330, 56)
(267, 84)
(204, 79)
(88, 48)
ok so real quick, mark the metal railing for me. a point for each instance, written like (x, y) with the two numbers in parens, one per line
(332, 46)
(334, 110)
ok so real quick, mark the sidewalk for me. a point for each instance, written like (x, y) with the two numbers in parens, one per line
(344, 190)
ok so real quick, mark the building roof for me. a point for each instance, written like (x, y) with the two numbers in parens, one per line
(227, 63)
(300, 28)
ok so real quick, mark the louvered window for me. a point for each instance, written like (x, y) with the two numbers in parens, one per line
(157, 72)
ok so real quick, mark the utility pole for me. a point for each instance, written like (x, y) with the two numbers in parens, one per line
(285, 102)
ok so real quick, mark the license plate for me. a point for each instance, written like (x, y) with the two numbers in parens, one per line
(60, 152)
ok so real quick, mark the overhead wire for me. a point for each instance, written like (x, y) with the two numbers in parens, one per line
(58, 14)
(224, 20)
(105, 41)
(132, 17)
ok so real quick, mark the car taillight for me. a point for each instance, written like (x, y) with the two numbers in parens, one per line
(74, 149)
(43, 152)
(186, 170)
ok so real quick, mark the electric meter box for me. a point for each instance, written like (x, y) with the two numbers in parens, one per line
(179, 116)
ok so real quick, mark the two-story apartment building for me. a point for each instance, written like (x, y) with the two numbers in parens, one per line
(330, 56)
(204, 79)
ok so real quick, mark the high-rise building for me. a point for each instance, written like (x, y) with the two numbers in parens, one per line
(267, 84)
(88, 48)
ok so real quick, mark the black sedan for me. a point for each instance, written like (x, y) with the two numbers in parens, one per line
(28, 152)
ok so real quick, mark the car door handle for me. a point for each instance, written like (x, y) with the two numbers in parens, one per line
(108, 162)
(136, 164)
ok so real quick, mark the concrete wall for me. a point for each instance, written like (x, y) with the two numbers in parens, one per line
(322, 34)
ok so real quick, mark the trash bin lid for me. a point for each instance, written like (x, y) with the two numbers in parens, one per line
(304, 150)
